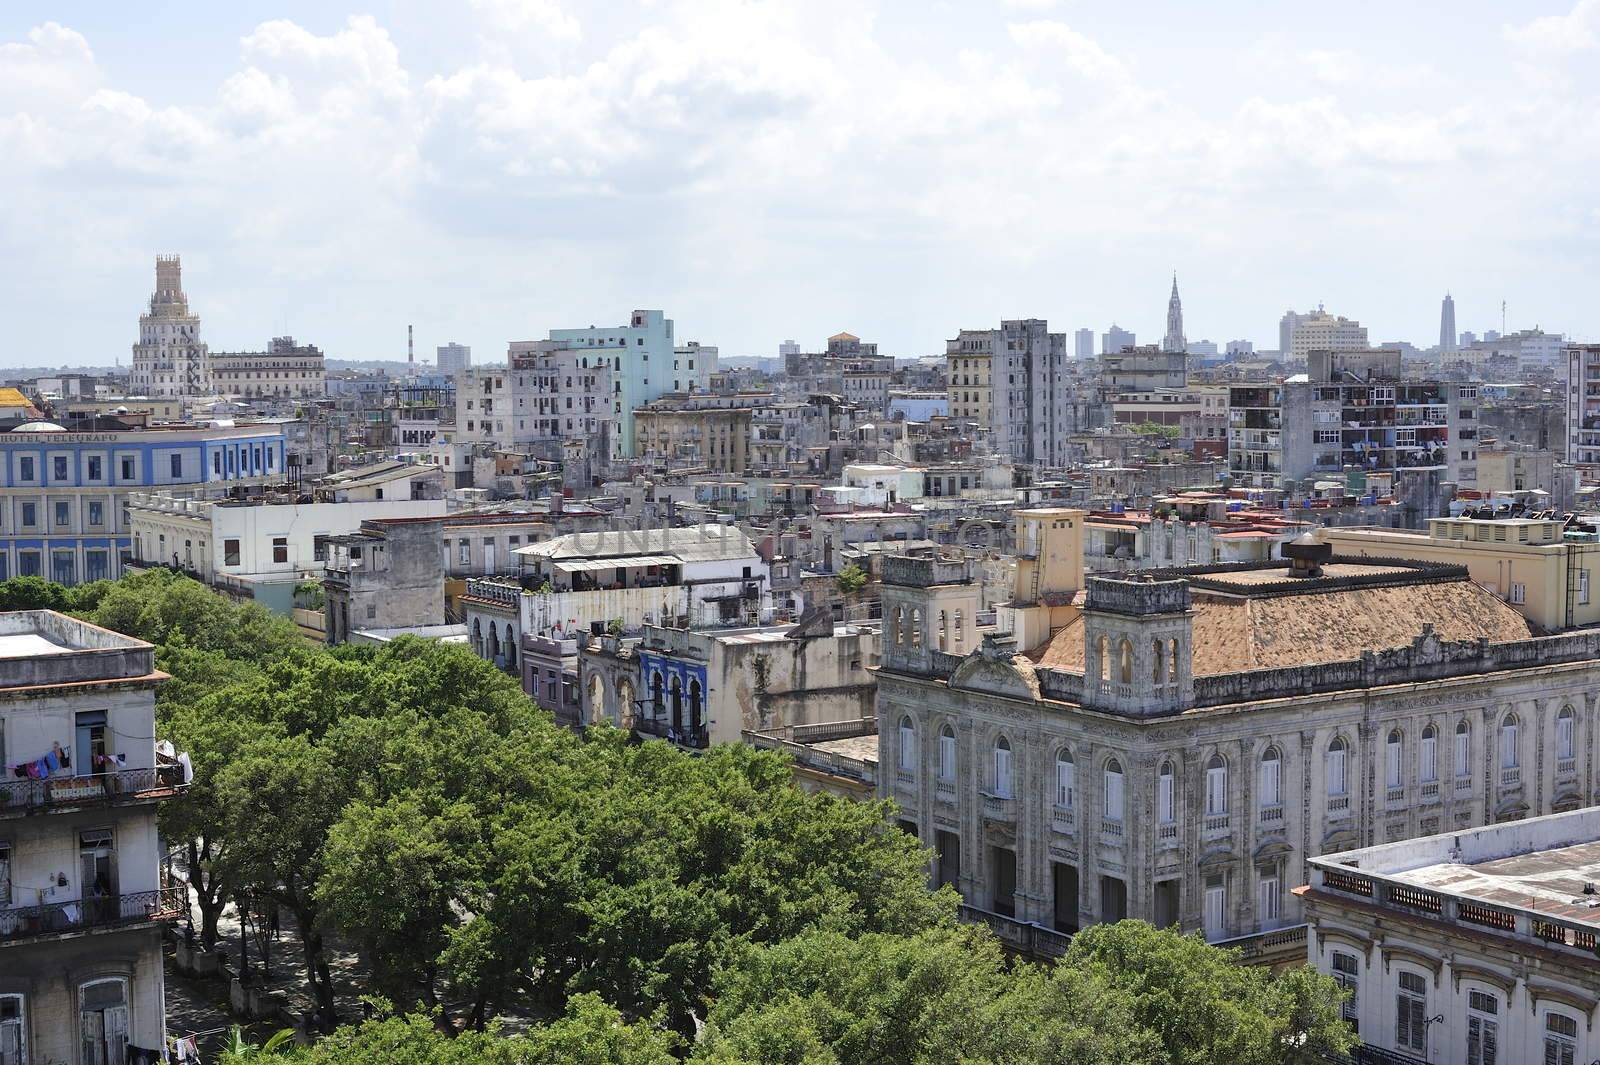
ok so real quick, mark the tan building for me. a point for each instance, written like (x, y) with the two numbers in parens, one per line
(1537, 565)
(1504, 470)
(286, 370)
(1175, 745)
(716, 437)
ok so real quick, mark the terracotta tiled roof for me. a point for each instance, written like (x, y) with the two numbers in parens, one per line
(1233, 635)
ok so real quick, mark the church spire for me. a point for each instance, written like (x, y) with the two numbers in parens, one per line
(1174, 340)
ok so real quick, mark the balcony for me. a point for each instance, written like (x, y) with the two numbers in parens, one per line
(87, 915)
(1111, 830)
(999, 808)
(1338, 806)
(691, 737)
(1023, 937)
(1217, 825)
(1430, 791)
(1272, 815)
(1566, 767)
(945, 791)
(1463, 785)
(1511, 776)
(1394, 797)
(1167, 835)
(1062, 820)
(22, 797)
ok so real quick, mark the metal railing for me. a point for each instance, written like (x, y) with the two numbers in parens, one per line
(110, 911)
(686, 736)
(22, 796)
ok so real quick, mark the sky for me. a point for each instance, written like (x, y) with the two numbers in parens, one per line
(490, 169)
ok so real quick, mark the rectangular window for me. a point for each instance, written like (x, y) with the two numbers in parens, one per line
(28, 564)
(1267, 902)
(1346, 973)
(1216, 907)
(1583, 587)
(1002, 772)
(1508, 745)
(1564, 740)
(1463, 755)
(25, 468)
(1113, 805)
(319, 548)
(1336, 772)
(464, 555)
(1392, 756)
(1166, 811)
(947, 757)
(1519, 594)
(30, 515)
(96, 565)
(127, 469)
(58, 468)
(216, 463)
(177, 465)
(1216, 791)
(1430, 756)
(13, 1035)
(1411, 1012)
(63, 511)
(1483, 1029)
(280, 549)
(230, 552)
(96, 468)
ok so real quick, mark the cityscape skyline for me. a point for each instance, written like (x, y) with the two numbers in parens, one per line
(338, 178)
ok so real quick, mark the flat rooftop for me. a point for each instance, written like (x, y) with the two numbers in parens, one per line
(30, 645)
(1277, 574)
(1547, 881)
(864, 748)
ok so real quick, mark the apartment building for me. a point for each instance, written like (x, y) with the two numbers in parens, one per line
(262, 547)
(1175, 745)
(715, 437)
(1583, 404)
(704, 687)
(286, 370)
(1136, 369)
(561, 394)
(64, 493)
(1353, 411)
(1029, 401)
(1301, 334)
(82, 895)
(639, 356)
(1474, 945)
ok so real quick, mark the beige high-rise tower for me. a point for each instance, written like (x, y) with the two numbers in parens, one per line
(170, 359)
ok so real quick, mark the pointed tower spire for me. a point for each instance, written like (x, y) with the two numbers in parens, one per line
(1174, 340)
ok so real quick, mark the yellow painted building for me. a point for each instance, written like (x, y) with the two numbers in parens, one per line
(1534, 564)
(970, 386)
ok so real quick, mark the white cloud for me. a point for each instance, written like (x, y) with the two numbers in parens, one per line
(1558, 34)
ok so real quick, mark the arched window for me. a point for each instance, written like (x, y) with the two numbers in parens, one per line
(677, 704)
(624, 717)
(597, 698)
(1430, 754)
(1113, 790)
(908, 745)
(658, 705)
(1394, 759)
(1159, 666)
(1338, 769)
(1103, 656)
(1066, 782)
(1216, 786)
(899, 633)
(1125, 671)
(695, 715)
(1270, 786)
(1172, 664)
(916, 627)
(103, 1021)
(1463, 753)
(1566, 741)
(1166, 801)
(947, 753)
(944, 630)
(960, 632)
(1508, 742)
(1002, 768)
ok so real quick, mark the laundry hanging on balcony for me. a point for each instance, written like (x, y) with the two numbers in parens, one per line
(40, 768)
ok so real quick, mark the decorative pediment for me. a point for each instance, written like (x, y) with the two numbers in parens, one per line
(1272, 849)
(995, 669)
(1216, 856)
(1393, 952)
(1582, 1004)
(1339, 838)
(1460, 971)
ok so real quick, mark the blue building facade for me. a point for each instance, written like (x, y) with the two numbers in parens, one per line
(675, 694)
(63, 494)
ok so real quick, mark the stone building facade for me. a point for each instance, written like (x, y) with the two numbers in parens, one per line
(1181, 742)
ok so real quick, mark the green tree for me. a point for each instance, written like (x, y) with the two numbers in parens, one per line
(32, 593)
(851, 579)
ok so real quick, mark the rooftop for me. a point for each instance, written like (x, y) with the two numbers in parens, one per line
(42, 648)
(1258, 617)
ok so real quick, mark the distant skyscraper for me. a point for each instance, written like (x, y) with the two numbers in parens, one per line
(1447, 324)
(1468, 338)
(1083, 344)
(1241, 347)
(453, 357)
(1173, 341)
(788, 347)
(1115, 339)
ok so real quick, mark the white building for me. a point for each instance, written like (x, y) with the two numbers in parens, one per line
(1083, 344)
(263, 547)
(452, 357)
(1473, 946)
(82, 895)
(1115, 339)
(170, 358)
(692, 366)
(1583, 404)
(1320, 331)
(708, 574)
(558, 393)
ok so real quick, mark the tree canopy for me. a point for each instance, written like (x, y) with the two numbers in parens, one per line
(638, 903)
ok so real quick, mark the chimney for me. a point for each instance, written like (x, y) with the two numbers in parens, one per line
(411, 352)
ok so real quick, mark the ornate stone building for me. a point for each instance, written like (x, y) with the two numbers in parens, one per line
(1174, 745)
